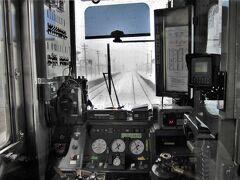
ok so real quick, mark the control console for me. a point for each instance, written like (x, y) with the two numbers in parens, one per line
(172, 117)
(68, 147)
(117, 147)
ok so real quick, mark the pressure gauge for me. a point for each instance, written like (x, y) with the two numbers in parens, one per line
(118, 145)
(99, 146)
(136, 147)
(116, 161)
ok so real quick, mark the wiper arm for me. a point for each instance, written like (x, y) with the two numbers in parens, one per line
(109, 90)
(110, 80)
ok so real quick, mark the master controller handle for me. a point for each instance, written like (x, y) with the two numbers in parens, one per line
(165, 167)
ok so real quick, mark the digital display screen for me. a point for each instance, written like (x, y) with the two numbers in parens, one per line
(201, 67)
(131, 135)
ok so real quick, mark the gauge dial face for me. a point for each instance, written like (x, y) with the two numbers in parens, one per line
(136, 147)
(118, 145)
(116, 161)
(99, 146)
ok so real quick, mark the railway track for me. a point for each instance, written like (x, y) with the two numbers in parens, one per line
(99, 89)
(131, 90)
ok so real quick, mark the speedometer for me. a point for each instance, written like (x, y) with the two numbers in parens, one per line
(99, 146)
(136, 147)
(118, 145)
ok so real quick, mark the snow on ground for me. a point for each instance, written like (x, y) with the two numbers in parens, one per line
(132, 90)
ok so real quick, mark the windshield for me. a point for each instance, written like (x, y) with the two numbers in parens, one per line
(132, 64)
(133, 19)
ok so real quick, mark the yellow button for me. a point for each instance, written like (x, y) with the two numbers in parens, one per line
(141, 158)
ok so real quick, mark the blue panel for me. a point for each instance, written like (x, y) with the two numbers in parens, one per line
(129, 18)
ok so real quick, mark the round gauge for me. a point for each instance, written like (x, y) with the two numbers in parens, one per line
(136, 147)
(118, 145)
(99, 146)
(116, 161)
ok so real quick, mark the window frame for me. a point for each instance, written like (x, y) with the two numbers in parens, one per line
(12, 122)
(6, 78)
(211, 5)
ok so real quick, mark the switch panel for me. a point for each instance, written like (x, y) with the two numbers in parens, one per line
(57, 37)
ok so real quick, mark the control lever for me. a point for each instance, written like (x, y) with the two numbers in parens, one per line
(87, 175)
(198, 128)
(166, 167)
(141, 165)
(60, 173)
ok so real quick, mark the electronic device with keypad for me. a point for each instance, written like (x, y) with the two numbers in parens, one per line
(203, 70)
(205, 75)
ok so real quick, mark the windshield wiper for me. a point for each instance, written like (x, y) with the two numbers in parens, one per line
(110, 80)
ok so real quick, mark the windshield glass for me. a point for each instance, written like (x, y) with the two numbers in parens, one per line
(4, 103)
(214, 45)
(132, 64)
(133, 19)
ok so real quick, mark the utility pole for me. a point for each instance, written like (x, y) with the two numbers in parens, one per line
(85, 57)
(147, 64)
(98, 52)
(91, 62)
(78, 64)
(151, 63)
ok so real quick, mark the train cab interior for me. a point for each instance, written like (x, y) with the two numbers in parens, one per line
(120, 90)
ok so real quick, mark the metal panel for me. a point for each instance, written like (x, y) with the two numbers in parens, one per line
(34, 48)
(227, 124)
(73, 38)
(228, 60)
(57, 37)
(237, 82)
(200, 24)
(16, 71)
(30, 77)
(164, 18)
(4, 82)
(28, 59)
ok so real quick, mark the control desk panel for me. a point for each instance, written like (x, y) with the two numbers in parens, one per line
(117, 147)
(68, 145)
(172, 117)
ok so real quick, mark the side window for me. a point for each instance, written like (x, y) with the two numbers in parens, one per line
(214, 30)
(214, 44)
(4, 96)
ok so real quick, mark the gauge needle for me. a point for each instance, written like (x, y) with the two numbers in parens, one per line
(118, 145)
(136, 146)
